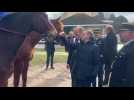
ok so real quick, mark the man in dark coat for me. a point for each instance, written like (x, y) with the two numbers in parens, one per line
(69, 47)
(84, 60)
(69, 42)
(110, 51)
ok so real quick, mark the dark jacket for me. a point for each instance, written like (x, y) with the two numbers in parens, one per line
(69, 40)
(110, 47)
(123, 67)
(70, 46)
(100, 44)
(85, 60)
(50, 45)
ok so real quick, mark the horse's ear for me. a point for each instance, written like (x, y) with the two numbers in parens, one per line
(59, 19)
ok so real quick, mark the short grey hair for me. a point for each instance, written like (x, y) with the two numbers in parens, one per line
(79, 27)
(109, 27)
(91, 33)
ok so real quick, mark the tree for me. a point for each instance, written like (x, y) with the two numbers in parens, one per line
(118, 21)
(112, 17)
(121, 19)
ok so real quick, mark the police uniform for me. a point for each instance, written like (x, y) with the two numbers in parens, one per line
(123, 67)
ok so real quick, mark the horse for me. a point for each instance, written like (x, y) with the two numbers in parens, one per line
(19, 33)
(22, 64)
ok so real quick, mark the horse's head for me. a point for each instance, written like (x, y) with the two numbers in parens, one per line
(58, 24)
(50, 26)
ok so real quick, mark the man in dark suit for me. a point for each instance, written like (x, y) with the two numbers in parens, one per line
(110, 51)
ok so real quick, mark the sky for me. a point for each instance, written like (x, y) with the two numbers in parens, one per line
(54, 14)
(128, 15)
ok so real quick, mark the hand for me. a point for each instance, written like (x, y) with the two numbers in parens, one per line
(61, 33)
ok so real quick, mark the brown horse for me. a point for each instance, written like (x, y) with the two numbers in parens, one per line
(19, 33)
(22, 61)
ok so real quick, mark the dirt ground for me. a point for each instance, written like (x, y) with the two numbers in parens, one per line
(39, 77)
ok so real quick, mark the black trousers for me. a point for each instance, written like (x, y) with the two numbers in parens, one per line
(50, 57)
(69, 58)
(100, 75)
(84, 82)
(108, 66)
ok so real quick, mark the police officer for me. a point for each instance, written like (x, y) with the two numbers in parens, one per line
(110, 51)
(100, 43)
(123, 67)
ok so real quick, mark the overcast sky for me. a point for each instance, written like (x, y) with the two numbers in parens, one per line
(128, 15)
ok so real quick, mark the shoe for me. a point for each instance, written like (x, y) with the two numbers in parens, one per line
(68, 66)
(46, 68)
(52, 68)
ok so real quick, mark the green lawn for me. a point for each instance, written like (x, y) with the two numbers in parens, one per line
(40, 56)
(60, 56)
(59, 49)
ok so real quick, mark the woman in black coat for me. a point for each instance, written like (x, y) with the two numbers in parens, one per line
(50, 49)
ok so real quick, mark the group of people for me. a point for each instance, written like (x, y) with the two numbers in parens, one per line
(89, 55)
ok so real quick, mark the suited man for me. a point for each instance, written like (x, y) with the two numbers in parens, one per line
(74, 39)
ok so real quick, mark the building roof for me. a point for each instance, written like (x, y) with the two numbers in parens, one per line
(85, 25)
(81, 19)
(108, 21)
(69, 14)
(127, 26)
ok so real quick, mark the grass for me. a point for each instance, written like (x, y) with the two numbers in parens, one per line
(40, 56)
(60, 56)
(59, 49)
